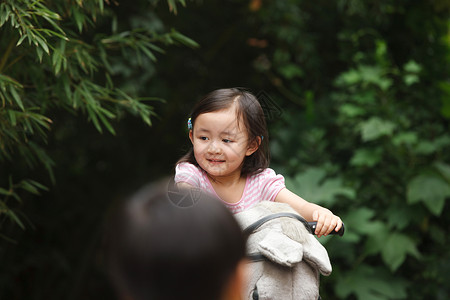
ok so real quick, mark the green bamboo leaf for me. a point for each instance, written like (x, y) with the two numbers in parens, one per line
(66, 85)
(106, 124)
(5, 192)
(79, 18)
(39, 53)
(14, 217)
(56, 26)
(147, 52)
(38, 185)
(106, 112)
(20, 40)
(154, 47)
(29, 187)
(12, 117)
(6, 238)
(40, 119)
(4, 13)
(42, 42)
(172, 6)
(184, 39)
(93, 117)
(16, 97)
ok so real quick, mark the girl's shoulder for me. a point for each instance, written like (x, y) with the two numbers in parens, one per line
(266, 173)
(187, 167)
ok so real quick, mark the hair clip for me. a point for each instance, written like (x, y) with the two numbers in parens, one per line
(262, 138)
(189, 123)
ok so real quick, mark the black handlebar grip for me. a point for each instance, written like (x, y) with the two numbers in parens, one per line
(341, 231)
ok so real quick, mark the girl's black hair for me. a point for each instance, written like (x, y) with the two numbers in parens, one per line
(169, 245)
(249, 110)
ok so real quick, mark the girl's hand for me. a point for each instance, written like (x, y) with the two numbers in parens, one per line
(326, 222)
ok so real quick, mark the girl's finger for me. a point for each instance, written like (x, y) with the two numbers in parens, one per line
(339, 224)
(315, 215)
(325, 225)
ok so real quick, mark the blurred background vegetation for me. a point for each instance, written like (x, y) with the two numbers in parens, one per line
(94, 101)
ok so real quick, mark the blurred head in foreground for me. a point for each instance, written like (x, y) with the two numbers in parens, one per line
(175, 245)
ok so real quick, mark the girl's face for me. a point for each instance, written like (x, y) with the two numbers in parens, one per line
(220, 145)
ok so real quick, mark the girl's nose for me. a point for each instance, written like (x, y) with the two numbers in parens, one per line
(213, 147)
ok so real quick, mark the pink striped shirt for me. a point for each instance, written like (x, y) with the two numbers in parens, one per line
(262, 186)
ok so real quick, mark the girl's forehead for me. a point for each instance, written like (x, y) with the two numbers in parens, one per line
(223, 120)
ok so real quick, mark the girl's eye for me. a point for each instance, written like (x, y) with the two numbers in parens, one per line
(226, 141)
(204, 138)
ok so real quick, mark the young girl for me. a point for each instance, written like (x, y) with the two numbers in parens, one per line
(230, 158)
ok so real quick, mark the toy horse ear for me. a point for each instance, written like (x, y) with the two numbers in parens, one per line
(315, 254)
(280, 249)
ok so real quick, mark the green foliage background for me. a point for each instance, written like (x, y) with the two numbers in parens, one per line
(95, 95)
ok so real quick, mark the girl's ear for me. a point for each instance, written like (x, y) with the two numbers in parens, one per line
(191, 137)
(253, 146)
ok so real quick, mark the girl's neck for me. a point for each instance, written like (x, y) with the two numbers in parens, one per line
(226, 181)
(230, 188)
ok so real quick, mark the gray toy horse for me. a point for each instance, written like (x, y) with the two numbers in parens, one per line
(287, 259)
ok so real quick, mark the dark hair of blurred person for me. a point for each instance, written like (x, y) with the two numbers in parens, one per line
(177, 245)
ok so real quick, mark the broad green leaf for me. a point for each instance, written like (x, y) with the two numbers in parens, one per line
(442, 141)
(425, 147)
(370, 283)
(349, 110)
(405, 138)
(395, 248)
(430, 189)
(313, 186)
(374, 75)
(290, 71)
(399, 215)
(412, 67)
(376, 239)
(375, 128)
(359, 220)
(443, 169)
(445, 98)
(350, 77)
(410, 79)
(366, 157)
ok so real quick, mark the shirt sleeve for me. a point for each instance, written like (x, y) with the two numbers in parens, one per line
(188, 173)
(273, 184)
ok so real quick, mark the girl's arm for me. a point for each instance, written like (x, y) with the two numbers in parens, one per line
(326, 220)
(184, 185)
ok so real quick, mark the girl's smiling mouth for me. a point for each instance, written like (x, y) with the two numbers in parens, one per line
(212, 160)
